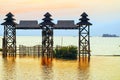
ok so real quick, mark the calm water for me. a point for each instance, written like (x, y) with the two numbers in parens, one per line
(33, 68)
(99, 45)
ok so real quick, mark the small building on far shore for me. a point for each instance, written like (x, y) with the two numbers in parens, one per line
(109, 35)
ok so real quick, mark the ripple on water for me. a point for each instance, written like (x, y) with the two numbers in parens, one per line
(27, 68)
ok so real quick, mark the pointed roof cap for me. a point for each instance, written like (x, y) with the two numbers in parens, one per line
(9, 20)
(47, 14)
(84, 14)
(9, 14)
(47, 20)
(83, 20)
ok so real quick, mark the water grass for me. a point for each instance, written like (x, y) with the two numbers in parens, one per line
(66, 52)
(0, 49)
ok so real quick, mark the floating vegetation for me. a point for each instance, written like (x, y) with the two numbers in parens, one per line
(66, 52)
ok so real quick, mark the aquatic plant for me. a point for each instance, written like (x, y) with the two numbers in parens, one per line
(0, 49)
(66, 52)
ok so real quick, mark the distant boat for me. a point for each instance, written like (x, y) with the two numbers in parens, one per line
(109, 35)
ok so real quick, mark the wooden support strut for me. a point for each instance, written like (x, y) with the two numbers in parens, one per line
(47, 41)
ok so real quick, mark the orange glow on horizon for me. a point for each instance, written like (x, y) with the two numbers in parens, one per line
(30, 5)
(100, 7)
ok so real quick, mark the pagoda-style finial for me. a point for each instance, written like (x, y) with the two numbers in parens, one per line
(9, 14)
(47, 14)
(83, 20)
(9, 20)
(47, 20)
(84, 14)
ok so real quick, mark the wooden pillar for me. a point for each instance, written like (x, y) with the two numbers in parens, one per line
(84, 36)
(3, 48)
(9, 40)
(79, 44)
(47, 35)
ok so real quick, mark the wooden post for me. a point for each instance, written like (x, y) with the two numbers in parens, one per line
(9, 42)
(47, 35)
(79, 44)
(84, 36)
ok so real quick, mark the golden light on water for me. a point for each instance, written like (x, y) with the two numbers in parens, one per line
(34, 68)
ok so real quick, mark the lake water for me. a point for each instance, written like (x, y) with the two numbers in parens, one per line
(33, 68)
(99, 45)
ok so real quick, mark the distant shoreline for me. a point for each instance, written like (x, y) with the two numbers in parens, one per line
(105, 55)
(110, 35)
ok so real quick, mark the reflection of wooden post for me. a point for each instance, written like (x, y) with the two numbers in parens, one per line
(46, 61)
(83, 63)
(84, 36)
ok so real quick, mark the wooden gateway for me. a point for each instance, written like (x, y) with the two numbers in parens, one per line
(47, 26)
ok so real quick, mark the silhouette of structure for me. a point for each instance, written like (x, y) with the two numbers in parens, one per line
(84, 36)
(47, 26)
(47, 35)
(9, 39)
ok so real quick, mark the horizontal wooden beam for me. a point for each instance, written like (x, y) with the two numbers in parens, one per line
(41, 28)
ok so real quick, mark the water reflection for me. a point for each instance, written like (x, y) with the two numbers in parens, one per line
(46, 61)
(44, 68)
(84, 62)
(29, 56)
(83, 68)
(47, 72)
(9, 66)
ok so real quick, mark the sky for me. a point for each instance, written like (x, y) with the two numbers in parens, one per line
(103, 14)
